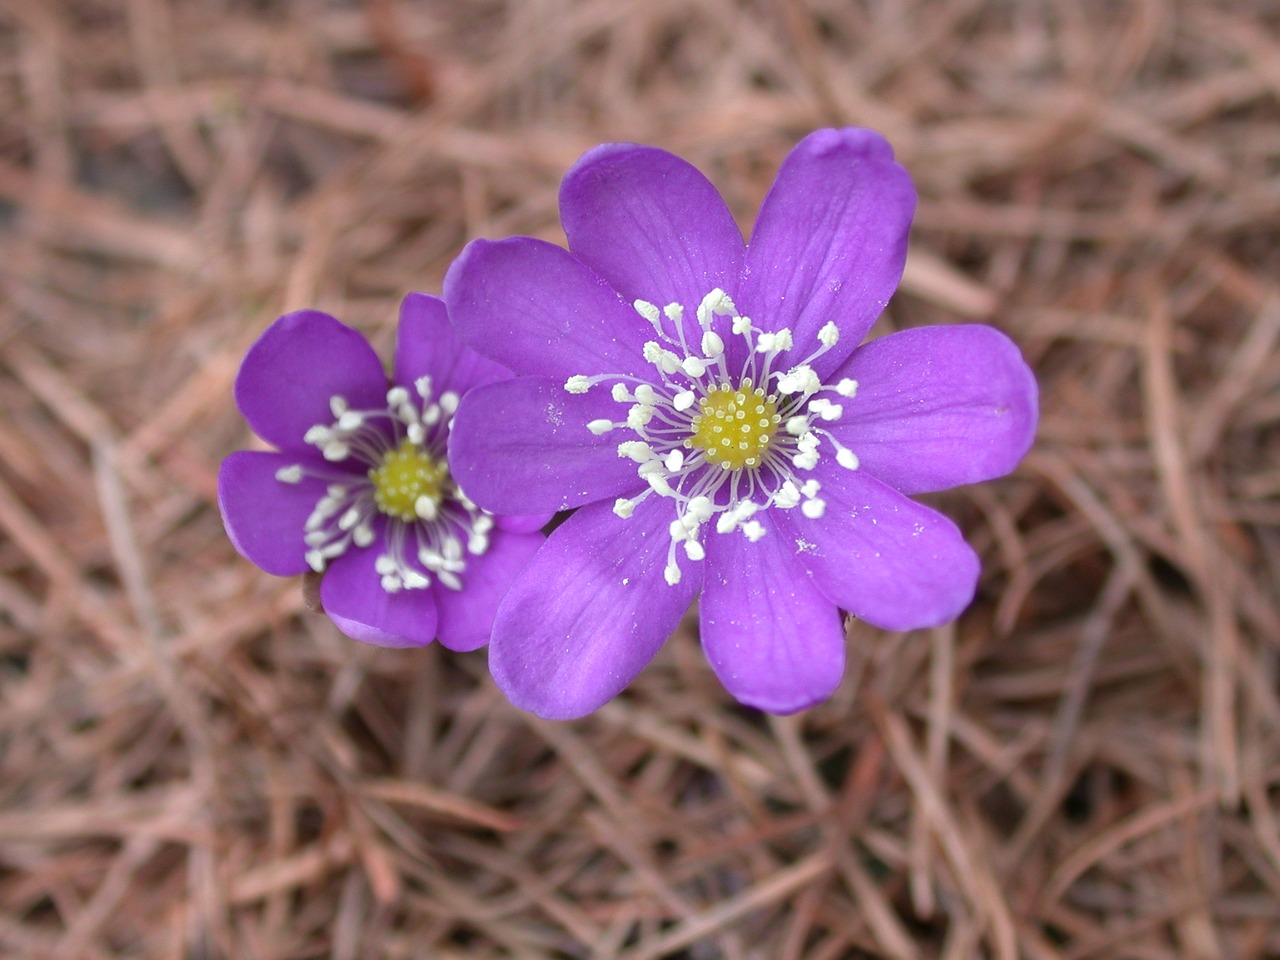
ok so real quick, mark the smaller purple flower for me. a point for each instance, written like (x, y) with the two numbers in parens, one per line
(360, 488)
(709, 408)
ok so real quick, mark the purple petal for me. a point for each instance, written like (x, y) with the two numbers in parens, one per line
(830, 241)
(352, 595)
(589, 612)
(466, 615)
(265, 517)
(523, 523)
(426, 345)
(291, 371)
(774, 641)
(886, 559)
(522, 446)
(938, 406)
(650, 224)
(536, 309)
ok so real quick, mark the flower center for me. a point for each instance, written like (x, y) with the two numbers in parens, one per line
(391, 461)
(733, 428)
(406, 477)
(724, 453)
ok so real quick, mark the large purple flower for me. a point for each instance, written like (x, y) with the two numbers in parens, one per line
(707, 407)
(360, 489)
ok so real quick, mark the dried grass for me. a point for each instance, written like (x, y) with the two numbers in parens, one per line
(192, 765)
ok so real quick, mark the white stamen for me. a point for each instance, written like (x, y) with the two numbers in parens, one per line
(712, 344)
(426, 508)
(829, 335)
(813, 509)
(674, 460)
(671, 573)
(624, 508)
(847, 458)
(397, 397)
(577, 384)
(753, 530)
(290, 474)
(693, 366)
(694, 550)
(847, 388)
(683, 400)
(599, 427)
(337, 405)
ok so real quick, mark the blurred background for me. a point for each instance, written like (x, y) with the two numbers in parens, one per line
(193, 764)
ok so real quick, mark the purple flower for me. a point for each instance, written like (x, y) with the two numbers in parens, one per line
(360, 488)
(706, 406)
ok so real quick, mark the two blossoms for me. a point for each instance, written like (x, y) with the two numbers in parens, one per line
(705, 407)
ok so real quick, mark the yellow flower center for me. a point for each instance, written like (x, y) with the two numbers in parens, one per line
(734, 426)
(408, 484)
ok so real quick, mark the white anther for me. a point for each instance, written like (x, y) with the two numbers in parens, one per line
(318, 435)
(577, 384)
(777, 340)
(449, 401)
(814, 508)
(397, 397)
(658, 483)
(385, 565)
(674, 312)
(650, 312)
(694, 551)
(787, 496)
(797, 425)
(416, 433)
(349, 519)
(800, 379)
(808, 442)
(620, 393)
(810, 488)
(290, 474)
(362, 535)
(639, 416)
(430, 559)
(727, 522)
(637, 450)
(712, 344)
(673, 461)
(847, 458)
(847, 387)
(678, 530)
(693, 366)
(315, 560)
(829, 335)
(717, 301)
(335, 450)
(392, 584)
(426, 508)
(599, 427)
(413, 580)
(826, 409)
(337, 405)
(683, 400)
(671, 573)
(742, 326)
(753, 530)
(701, 509)
(646, 394)
(624, 508)
(477, 544)
(806, 460)
(423, 387)
(449, 580)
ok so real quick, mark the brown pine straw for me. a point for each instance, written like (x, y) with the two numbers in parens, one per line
(193, 764)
